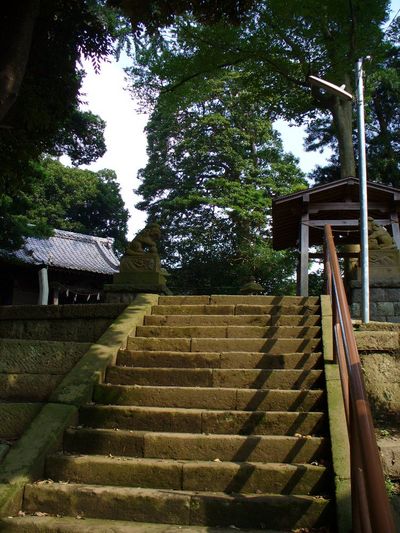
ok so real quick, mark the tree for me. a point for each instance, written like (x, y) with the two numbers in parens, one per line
(213, 170)
(277, 49)
(41, 44)
(382, 96)
(66, 198)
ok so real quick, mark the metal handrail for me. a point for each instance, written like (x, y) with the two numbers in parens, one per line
(371, 510)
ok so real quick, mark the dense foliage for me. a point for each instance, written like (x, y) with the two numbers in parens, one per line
(41, 45)
(67, 198)
(382, 98)
(213, 170)
(275, 49)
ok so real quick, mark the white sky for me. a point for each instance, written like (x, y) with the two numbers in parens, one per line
(106, 96)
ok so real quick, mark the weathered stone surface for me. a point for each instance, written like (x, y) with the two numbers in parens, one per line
(15, 417)
(78, 329)
(25, 461)
(232, 320)
(180, 377)
(124, 471)
(260, 510)
(168, 359)
(253, 477)
(287, 309)
(269, 449)
(77, 387)
(382, 381)
(202, 398)
(192, 309)
(120, 503)
(267, 379)
(272, 346)
(270, 361)
(27, 387)
(65, 524)
(280, 400)
(188, 475)
(390, 454)
(184, 300)
(264, 300)
(104, 442)
(167, 344)
(143, 418)
(370, 341)
(39, 357)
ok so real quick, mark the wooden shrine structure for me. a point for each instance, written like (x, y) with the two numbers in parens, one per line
(298, 219)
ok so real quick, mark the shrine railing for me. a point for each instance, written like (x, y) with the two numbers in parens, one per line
(371, 512)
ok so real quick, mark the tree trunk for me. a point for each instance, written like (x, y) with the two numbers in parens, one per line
(342, 114)
(17, 23)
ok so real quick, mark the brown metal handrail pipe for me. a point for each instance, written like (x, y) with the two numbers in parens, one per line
(368, 486)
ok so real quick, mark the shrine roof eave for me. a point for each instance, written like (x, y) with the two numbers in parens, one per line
(287, 210)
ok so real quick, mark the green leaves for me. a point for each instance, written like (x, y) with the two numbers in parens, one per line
(64, 198)
(214, 167)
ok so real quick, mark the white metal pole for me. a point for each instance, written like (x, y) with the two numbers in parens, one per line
(43, 287)
(362, 168)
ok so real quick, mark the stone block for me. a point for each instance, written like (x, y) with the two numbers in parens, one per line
(384, 308)
(390, 455)
(355, 310)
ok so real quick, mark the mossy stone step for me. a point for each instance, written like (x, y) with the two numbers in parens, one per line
(163, 445)
(216, 377)
(178, 507)
(229, 477)
(161, 359)
(241, 332)
(228, 298)
(231, 320)
(71, 524)
(184, 420)
(179, 344)
(238, 309)
(210, 398)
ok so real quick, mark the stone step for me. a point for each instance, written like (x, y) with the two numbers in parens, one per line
(218, 360)
(178, 507)
(238, 309)
(181, 446)
(183, 420)
(236, 332)
(211, 398)
(216, 377)
(227, 298)
(232, 320)
(70, 524)
(228, 477)
(271, 346)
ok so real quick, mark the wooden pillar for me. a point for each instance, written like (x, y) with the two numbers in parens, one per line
(304, 242)
(394, 219)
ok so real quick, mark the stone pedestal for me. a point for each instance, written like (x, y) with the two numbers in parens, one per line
(384, 286)
(139, 272)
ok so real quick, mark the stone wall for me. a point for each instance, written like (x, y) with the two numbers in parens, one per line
(384, 301)
(38, 346)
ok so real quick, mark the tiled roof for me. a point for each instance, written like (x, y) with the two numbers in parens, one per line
(69, 250)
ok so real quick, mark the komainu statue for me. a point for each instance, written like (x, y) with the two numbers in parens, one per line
(140, 268)
(145, 240)
(378, 237)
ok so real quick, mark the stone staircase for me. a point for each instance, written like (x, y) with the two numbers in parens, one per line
(213, 417)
